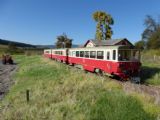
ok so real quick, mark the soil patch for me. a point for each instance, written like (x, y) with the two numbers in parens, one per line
(6, 72)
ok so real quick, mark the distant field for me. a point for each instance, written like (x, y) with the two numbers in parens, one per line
(20, 50)
(2, 49)
(60, 93)
(3, 46)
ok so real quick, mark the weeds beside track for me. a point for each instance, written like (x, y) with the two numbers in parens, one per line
(58, 92)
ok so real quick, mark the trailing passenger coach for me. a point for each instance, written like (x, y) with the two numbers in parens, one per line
(116, 60)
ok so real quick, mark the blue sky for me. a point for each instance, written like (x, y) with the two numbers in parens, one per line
(41, 21)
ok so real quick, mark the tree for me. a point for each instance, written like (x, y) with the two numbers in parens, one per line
(151, 26)
(154, 40)
(63, 42)
(151, 34)
(104, 22)
(140, 44)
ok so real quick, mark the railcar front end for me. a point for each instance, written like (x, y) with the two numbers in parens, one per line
(128, 64)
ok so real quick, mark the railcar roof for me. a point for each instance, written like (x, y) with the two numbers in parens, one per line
(103, 47)
(60, 49)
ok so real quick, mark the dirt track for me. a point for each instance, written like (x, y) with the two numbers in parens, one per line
(151, 91)
(6, 80)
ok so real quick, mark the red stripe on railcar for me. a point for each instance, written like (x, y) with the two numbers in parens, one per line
(110, 67)
(48, 55)
(60, 57)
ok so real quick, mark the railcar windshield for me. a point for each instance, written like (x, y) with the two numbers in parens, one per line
(128, 55)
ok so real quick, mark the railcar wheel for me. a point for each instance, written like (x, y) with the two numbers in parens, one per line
(100, 72)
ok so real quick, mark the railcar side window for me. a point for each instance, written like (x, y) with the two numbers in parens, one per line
(46, 51)
(114, 54)
(77, 53)
(92, 54)
(108, 55)
(81, 53)
(73, 53)
(99, 54)
(86, 54)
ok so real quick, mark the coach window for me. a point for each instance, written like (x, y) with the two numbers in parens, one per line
(99, 54)
(114, 54)
(77, 53)
(108, 55)
(81, 53)
(47, 52)
(73, 53)
(92, 54)
(86, 54)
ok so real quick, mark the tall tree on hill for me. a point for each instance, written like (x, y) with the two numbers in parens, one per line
(154, 40)
(63, 42)
(104, 22)
(151, 34)
(151, 26)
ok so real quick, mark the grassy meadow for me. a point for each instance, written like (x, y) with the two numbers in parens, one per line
(151, 67)
(58, 92)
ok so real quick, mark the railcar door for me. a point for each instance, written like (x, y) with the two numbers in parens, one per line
(108, 61)
(67, 53)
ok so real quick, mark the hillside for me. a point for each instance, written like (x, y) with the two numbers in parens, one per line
(61, 93)
(24, 45)
(18, 44)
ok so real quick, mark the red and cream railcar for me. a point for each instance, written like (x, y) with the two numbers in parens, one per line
(60, 55)
(48, 53)
(121, 61)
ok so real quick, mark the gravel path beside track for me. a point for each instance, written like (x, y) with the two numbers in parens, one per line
(6, 72)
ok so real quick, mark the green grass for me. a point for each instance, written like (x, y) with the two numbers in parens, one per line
(60, 93)
(151, 67)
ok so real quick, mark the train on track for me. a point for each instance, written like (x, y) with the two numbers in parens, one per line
(120, 61)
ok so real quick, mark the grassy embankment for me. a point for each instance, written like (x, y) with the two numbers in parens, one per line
(58, 92)
(151, 67)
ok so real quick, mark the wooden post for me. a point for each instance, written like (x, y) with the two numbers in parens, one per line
(154, 57)
(27, 95)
